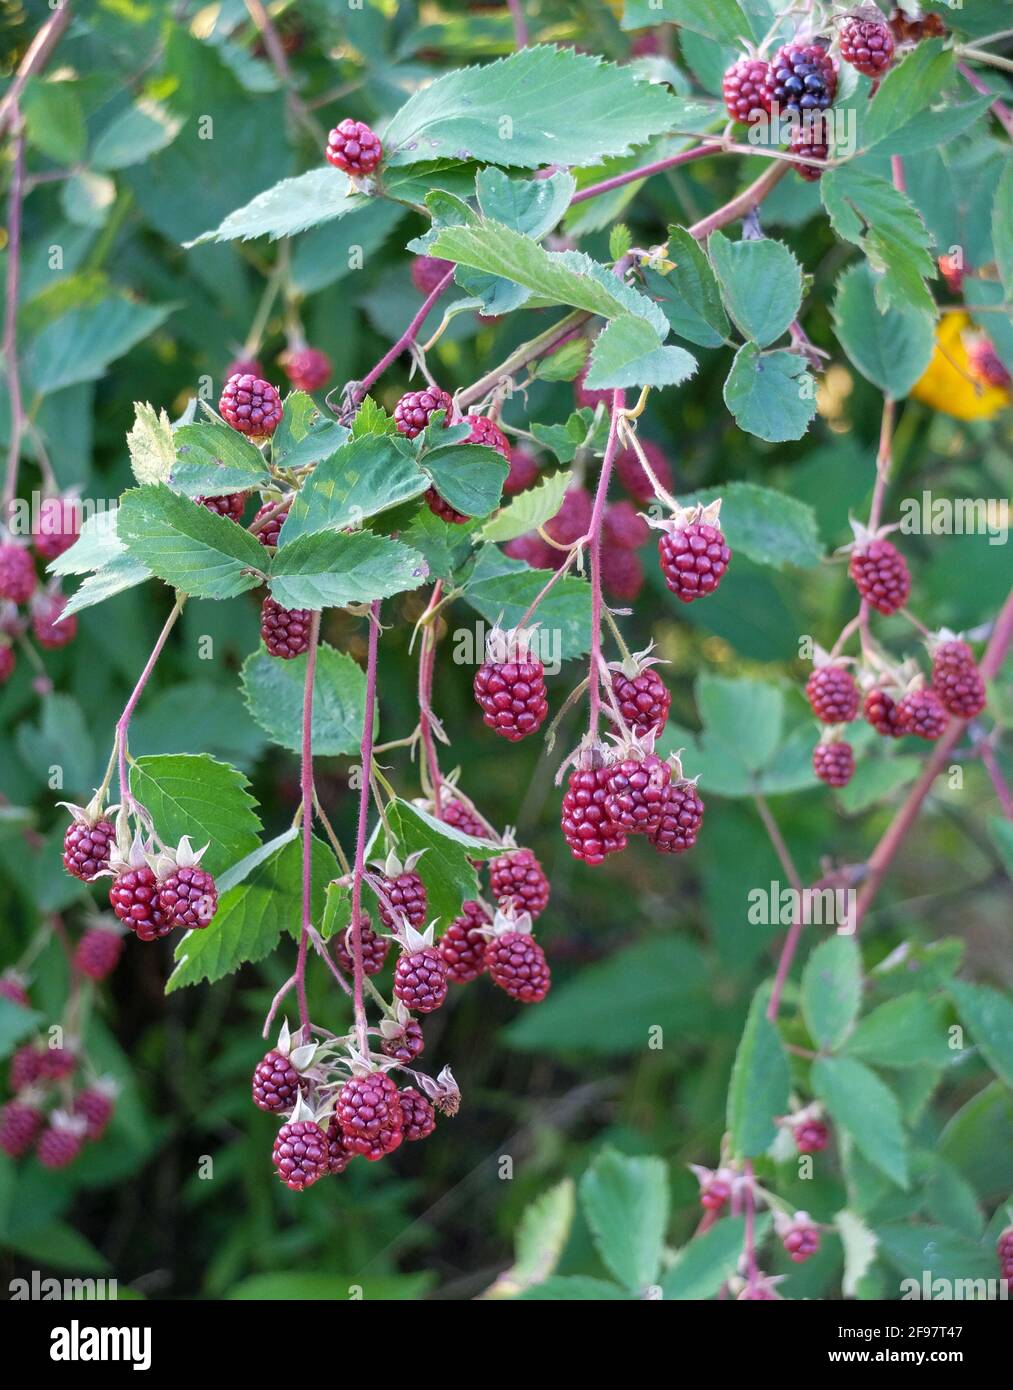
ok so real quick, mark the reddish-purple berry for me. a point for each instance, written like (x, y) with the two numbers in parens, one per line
(885, 714)
(867, 45)
(458, 814)
(418, 1114)
(681, 818)
(811, 1137)
(463, 944)
(231, 506)
(588, 399)
(924, 714)
(271, 529)
(134, 899)
(339, 1155)
(86, 848)
(623, 526)
(96, 1109)
(415, 408)
(511, 695)
(12, 987)
(637, 792)
(25, 1066)
(428, 271)
(986, 364)
(834, 763)
(440, 507)
(369, 1112)
(643, 700)
(17, 573)
(517, 880)
(188, 897)
(307, 368)
(714, 1193)
(251, 406)
(881, 575)
(276, 1083)
(98, 952)
(57, 527)
(404, 896)
(19, 1127)
(353, 147)
(243, 366)
(801, 1240)
(833, 694)
(572, 521)
(744, 88)
(420, 980)
(487, 432)
(56, 1062)
(8, 661)
(694, 558)
(588, 829)
(300, 1154)
(631, 473)
(50, 632)
(405, 1046)
(806, 143)
(532, 550)
(58, 1146)
(957, 680)
(286, 631)
(802, 77)
(622, 573)
(517, 964)
(374, 949)
(524, 471)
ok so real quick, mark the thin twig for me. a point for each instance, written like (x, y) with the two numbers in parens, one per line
(594, 532)
(366, 755)
(35, 59)
(306, 784)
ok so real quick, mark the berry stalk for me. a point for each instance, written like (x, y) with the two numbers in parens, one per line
(10, 338)
(366, 757)
(427, 666)
(123, 725)
(594, 530)
(306, 784)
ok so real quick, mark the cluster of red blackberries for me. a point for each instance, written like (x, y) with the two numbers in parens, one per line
(307, 368)
(799, 1235)
(55, 529)
(47, 1113)
(800, 82)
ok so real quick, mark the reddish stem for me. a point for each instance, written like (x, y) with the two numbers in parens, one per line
(306, 783)
(427, 666)
(1002, 791)
(644, 172)
(10, 336)
(1000, 110)
(366, 754)
(123, 724)
(35, 59)
(748, 199)
(520, 23)
(406, 338)
(594, 531)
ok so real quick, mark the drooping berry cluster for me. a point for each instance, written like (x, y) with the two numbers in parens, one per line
(55, 528)
(510, 685)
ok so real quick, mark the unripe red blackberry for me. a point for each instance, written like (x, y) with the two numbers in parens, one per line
(188, 897)
(369, 1113)
(518, 881)
(714, 1192)
(811, 1136)
(623, 526)
(25, 1065)
(867, 45)
(833, 694)
(517, 964)
(231, 506)
(637, 791)
(98, 952)
(622, 573)
(588, 399)
(957, 680)
(1004, 1245)
(487, 432)
(420, 980)
(286, 631)
(50, 632)
(802, 77)
(460, 816)
(339, 1155)
(428, 271)
(643, 699)
(56, 1062)
(924, 714)
(20, 1124)
(353, 147)
(744, 88)
(806, 144)
(8, 661)
(572, 522)
(681, 818)
(415, 408)
(17, 572)
(985, 363)
(12, 987)
(57, 527)
(270, 532)
(463, 944)
(308, 369)
(885, 714)
(95, 1107)
(418, 1114)
(834, 763)
(510, 686)
(251, 406)
(951, 268)
(406, 898)
(694, 557)
(300, 1154)
(631, 473)
(243, 366)
(374, 949)
(530, 548)
(61, 1141)
(87, 845)
(406, 1045)
(801, 1239)
(881, 575)
(134, 899)
(588, 829)
(524, 471)
(276, 1083)
(440, 507)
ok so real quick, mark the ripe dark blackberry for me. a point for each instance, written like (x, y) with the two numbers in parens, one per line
(8, 661)
(308, 369)
(631, 473)
(57, 527)
(59, 1144)
(369, 1113)
(637, 792)
(339, 1155)
(744, 88)
(420, 980)
(957, 680)
(802, 77)
(231, 506)
(811, 1137)
(643, 700)
(428, 271)
(413, 411)
(300, 1154)
(56, 1062)
(833, 694)
(460, 816)
(188, 897)
(694, 557)
(20, 1124)
(801, 1239)
(418, 1114)
(622, 573)
(623, 526)
(251, 406)
(807, 145)
(286, 631)
(487, 432)
(440, 507)
(517, 964)
(834, 763)
(867, 45)
(406, 895)
(50, 632)
(571, 522)
(881, 575)
(134, 899)
(98, 952)
(681, 818)
(524, 471)
(517, 880)
(510, 687)
(276, 1083)
(985, 363)
(95, 1107)
(374, 949)
(12, 987)
(587, 828)
(924, 714)
(24, 1069)
(86, 846)
(463, 944)
(353, 147)
(405, 1046)
(885, 714)
(17, 573)
(271, 530)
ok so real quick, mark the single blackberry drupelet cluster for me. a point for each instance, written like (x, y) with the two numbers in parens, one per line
(588, 829)
(440, 507)
(20, 1124)
(957, 680)
(86, 847)
(251, 406)
(57, 527)
(24, 1067)
(276, 1083)
(59, 1145)
(681, 818)
(622, 573)
(811, 1137)
(188, 897)
(524, 471)
(353, 147)
(802, 77)
(518, 881)
(300, 1155)
(511, 695)
(98, 952)
(270, 532)
(881, 575)
(643, 700)
(460, 816)
(405, 1046)
(417, 1113)
(694, 558)
(369, 1113)
(286, 631)
(415, 409)
(487, 432)
(243, 366)
(57, 1062)
(374, 950)
(52, 630)
(339, 1155)
(95, 1107)
(744, 88)
(17, 572)
(463, 944)
(231, 505)
(802, 1239)
(406, 895)
(428, 271)
(517, 964)
(308, 369)
(571, 522)
(623, 526)
(833, 694)
(637, 788)
(834, 763)
(134, 899)
(420, 980)
(885, 714)
(806, 144)
(867, 45)
(924, 714)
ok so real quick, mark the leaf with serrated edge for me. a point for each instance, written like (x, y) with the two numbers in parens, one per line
(273, 691)
(188, 546)
(771, 394)
(150, 444)
(625, 1201)
(331, 570)
(529, 509)
(762, 285)
(832, 991)
(862, 1105)
(213, 460)
(629, 353)
(860, 1245)
(196, 795)
(542, 1232)
(362, 478)
(758, 1089)
(891, 350)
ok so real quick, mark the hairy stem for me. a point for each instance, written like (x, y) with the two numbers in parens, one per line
(427, 666)
(644, 172)
(10, 336)
(123, 723)
(748, 199)
(306, 784)
(366, 755)
(594, 531)
(405, 340)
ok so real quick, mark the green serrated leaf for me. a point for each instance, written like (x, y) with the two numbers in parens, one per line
(213, 460)
(988, 1016)
(530, 509)
(875, 779)
(722, 20)
(80, 345)
(151, 445)
(891, 350)
(625, 1201)
(758, 1089)
(761, 284)
(706, 1263)
(135, 135)
(542, 1232)
(689, 293)
(565, 364)
(860, 1103)
(767, 526)
(745, 715)
(197, 796)
(362, 478)
(771, 394)
(629, 353)
(305, 435)
(832, 990)
(188, 546)
(273, 691)
(468, 476)
(906, 90)
(860, 1246)
(331, 570)
(907, 1032)
(54, 120)
(502, 590)
(872, 214)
